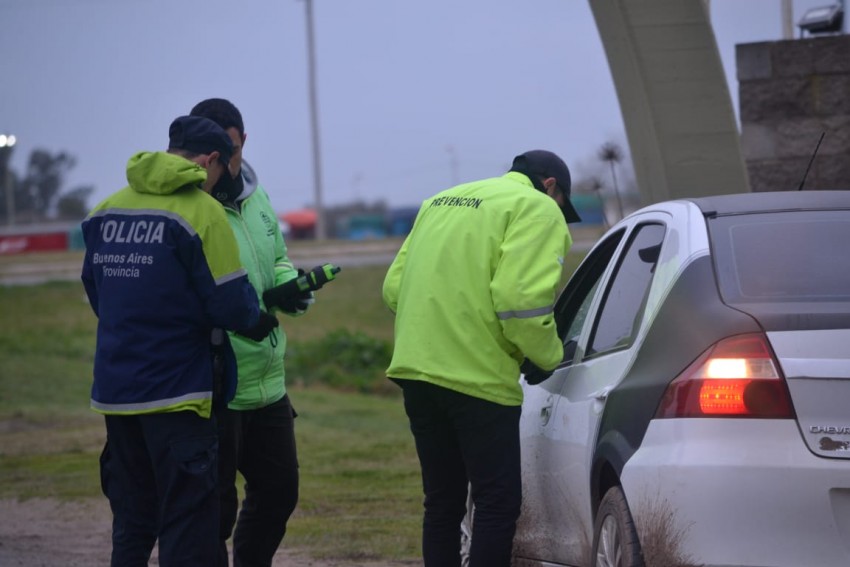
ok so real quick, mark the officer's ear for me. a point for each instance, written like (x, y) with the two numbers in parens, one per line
(552, 189)
(212, 157)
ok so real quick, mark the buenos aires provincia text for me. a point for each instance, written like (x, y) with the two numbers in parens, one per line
(117, 264)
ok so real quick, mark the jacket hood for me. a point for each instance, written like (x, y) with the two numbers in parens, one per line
(249, 181)
(161, 173)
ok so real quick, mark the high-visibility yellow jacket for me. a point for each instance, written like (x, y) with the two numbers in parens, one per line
(161, 270)
(473, 288)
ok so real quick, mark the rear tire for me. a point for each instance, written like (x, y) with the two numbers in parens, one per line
(615, 539)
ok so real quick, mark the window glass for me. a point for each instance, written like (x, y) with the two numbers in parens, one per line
(784, 256)
(623, 305)
(577, 323)
(573, 306)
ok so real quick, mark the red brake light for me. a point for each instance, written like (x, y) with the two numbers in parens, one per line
(736, 377)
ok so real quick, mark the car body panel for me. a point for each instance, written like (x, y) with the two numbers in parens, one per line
(772, 201)
(710, 473)
(561, 416)
(816, 365)
(592, 425)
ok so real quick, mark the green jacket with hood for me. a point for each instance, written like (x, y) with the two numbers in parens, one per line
(263, 253)
(473, 288)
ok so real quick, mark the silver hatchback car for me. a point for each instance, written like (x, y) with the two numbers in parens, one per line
(702, 413)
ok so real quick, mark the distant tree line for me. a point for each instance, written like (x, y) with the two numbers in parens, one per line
(38, 194)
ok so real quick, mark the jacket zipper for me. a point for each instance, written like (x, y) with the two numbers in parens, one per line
(265, 285)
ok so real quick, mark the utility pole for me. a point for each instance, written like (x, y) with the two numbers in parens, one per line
(321, 229)
(453, 164)
(787, 20)
(7, 141)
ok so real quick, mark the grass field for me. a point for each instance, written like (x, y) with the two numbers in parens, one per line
(360, 491)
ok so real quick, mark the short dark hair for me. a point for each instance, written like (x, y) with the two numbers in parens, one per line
(222, 112)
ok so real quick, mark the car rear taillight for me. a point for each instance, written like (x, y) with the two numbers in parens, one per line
(736, 377)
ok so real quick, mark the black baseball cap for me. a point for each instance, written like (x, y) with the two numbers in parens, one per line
(548, 164)
(201, 136)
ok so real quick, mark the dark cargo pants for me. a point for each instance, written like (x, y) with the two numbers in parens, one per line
(160, 472)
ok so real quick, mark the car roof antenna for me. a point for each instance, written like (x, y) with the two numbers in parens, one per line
(803, 180)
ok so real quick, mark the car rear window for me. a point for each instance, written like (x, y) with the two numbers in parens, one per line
(782, 256)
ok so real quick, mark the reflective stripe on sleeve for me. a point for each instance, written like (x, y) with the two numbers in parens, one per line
(231, 276)
(527, 313)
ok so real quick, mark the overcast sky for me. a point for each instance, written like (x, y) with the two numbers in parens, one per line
(414, 95)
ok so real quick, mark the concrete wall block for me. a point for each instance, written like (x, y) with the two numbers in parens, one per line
(786, 103)
(753, 61)
(776, 175)
(758, 141)
(793, 58)
(831, 94)
(829, 172)
(766, 100)
(826, 174)
(832, 53)
(798, 138)
(837, 139)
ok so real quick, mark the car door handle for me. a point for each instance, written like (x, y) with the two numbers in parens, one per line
(545, 414)
(602, 394)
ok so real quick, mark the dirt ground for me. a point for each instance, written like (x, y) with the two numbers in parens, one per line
(48, 533)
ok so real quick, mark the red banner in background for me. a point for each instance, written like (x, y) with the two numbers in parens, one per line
(23, 243)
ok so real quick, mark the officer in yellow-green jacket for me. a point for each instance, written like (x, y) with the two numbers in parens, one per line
(473, 288)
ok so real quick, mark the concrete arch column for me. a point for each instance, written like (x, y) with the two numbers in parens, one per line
(673, 96)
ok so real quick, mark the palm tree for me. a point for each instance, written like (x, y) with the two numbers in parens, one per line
(593, 186)
(612, 154)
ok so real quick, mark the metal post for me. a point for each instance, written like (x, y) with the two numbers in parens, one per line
(10, 196)
(453, 164)
(321, 230)
(787, 20)
(6, 144)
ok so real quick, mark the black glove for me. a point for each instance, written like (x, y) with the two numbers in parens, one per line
(262, 329)
(533, 373)
(288, 298)
(297, 304)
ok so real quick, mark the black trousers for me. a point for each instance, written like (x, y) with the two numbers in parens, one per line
(465, 441)
(160, 472)
(260, 444)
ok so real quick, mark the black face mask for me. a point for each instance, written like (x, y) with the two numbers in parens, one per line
(227, 188)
